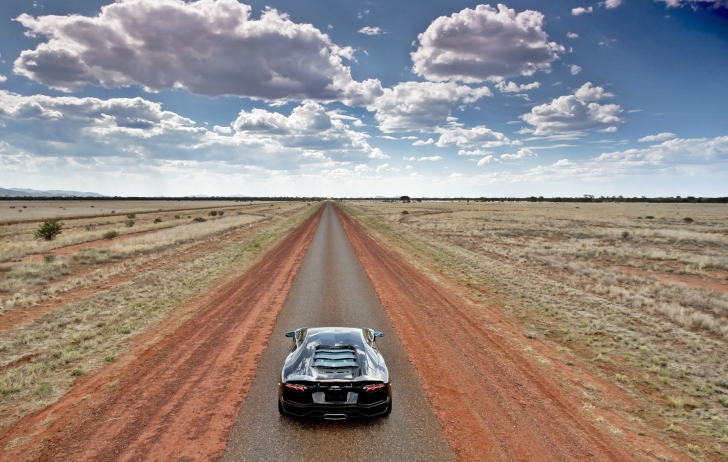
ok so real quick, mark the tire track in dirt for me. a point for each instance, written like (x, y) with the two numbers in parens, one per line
(177, 393)
(492, 404)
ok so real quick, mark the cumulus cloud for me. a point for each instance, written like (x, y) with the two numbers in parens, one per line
(489, 159)
(672, 152)
(574, 69)
(659, 137)
(574, 113)
(521, 154)
(479, 136)
(572, 35)
(581, 10)
(421, 105)
(371, 31)
(140, 129)
(612, 3)
(711, 3)
(588, 92)
(3, 78)
(209, 47)
(478, 44)
(474, 152)
(386, 168)
(423, 143)
(511, 87)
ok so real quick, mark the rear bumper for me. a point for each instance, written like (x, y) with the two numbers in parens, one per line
(335, 411)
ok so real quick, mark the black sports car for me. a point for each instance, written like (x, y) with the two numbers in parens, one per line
(334, 373)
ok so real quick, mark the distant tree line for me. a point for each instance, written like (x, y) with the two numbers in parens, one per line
(165, 199)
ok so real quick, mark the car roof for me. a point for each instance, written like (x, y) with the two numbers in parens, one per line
(336, 336)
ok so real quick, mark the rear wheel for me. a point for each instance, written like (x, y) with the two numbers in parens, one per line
(280, 408)
(389, 408)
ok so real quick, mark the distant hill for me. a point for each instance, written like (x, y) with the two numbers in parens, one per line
(23, 192)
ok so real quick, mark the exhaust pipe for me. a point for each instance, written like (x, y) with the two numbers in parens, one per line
(334, 416)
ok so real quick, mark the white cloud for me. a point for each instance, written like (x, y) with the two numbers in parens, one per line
(588, 92)
(568, 115)
(572, 35)
(511, 87)
(371, 31)
(362, 168)
(474, 152)
(476, 45)
(142, 130)
(212, 47)
(608, 130)
(429, 159)
(659, 137)
(479, 136)
(386, 168)
(489, 159)
(421, 105)
(672, 152)
(581, 10)
(423, 143)
(677, 3)
(574, 69)
(521, 154)
(3, 78)
(612, 3)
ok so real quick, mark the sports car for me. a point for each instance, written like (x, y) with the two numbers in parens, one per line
(334, 373)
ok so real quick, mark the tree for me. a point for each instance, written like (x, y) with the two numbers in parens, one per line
(405, 198)
(49, 229)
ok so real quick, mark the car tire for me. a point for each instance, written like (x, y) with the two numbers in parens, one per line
(280, 408)
(389, 409)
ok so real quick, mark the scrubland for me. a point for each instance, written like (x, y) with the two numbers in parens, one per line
(70, 305)
(638, 292)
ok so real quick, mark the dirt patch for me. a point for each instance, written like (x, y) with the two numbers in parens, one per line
(496, 396)
(176, 395)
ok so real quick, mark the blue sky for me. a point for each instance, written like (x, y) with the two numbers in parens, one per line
(344, 98)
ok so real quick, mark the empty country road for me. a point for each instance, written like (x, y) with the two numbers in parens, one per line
(332, 289)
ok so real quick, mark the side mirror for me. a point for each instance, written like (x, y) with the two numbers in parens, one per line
(291, 334)
(378, 334)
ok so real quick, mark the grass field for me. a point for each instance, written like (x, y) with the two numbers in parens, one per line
(71, 305)
(637, 291)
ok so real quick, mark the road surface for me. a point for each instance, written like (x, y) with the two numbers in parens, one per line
(331, 289)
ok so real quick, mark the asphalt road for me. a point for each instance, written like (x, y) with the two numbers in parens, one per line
(331, 289)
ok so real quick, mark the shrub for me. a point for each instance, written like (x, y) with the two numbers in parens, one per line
(90, 227)
(404, 212)
(129, 223)
(176, 217)
(213, 213)
(688, 220)
(113, 211)
(131, 215)
(76, 372)
(49, 229)
(625, 234)
(199, 220)
(157, 220)
(650, 217)
(221, 213)
(110, 235)
(49, 258)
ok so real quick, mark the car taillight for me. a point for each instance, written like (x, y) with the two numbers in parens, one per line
(293, 386)
(375, 387)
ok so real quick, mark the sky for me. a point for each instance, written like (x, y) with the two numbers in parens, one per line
(344, 98)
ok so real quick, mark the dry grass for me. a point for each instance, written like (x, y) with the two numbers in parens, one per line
(41, 359)
(645, 301)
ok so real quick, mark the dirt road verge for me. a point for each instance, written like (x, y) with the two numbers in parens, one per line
(175, 396)
(493, 400)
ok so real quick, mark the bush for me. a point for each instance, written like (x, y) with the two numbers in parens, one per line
(110, 235)
(49, 258)
(213, 213)
(157, 220)
(131, 215)
(625, 234)
(688, 220)
(49, 229)
(176, 217)
(129, 223)
(650, 217)
(221, 213)
(199, 220)
(404, 212)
